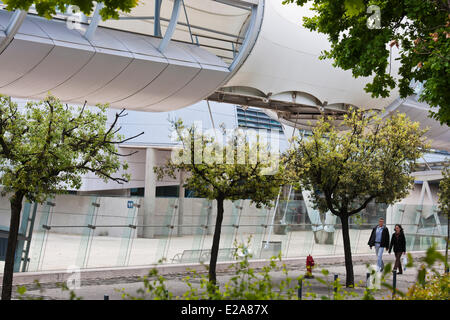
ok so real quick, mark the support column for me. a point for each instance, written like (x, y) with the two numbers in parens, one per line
(181, 204)
(96, 18)
(150, 193)
(157, 26)
(171, 27)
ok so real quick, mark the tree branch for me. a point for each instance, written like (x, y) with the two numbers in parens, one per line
(364, 205)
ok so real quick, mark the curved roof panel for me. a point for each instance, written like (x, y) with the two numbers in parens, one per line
(116, 67)
(285, 58)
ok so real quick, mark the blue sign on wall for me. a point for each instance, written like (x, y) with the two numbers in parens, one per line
(130, 204)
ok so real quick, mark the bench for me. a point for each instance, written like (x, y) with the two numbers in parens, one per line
(204, 255)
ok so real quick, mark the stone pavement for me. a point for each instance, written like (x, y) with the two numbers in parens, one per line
(95, 289)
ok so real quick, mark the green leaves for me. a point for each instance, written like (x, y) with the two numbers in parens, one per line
(47, 147)
(233, 170)
(47, 8)
(362, 159)
(354, 7)
(420, 29)
(244, 284)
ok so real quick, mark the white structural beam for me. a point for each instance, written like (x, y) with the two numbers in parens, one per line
(429, 175)
(249, 39)
(172, 25)
(149, 193)
(89, 34)
(181, 203)
(157, 25)
(12, 28)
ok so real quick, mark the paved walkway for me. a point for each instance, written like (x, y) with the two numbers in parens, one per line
(57, 251)
(95, 289)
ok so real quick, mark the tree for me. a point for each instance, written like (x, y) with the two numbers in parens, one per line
(371, 161)
(444, 202)
(45, 149)
(237, 169)
(419, 28)
(47, 8)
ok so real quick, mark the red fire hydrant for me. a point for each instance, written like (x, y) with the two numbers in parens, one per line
(309, 266)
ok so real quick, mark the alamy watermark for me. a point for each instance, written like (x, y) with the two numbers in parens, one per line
(73, 282)
(74, 21)
(374, 20)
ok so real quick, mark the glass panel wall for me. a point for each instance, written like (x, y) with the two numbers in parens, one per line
(92, 232)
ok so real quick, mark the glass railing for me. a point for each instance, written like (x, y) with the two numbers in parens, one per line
(110, 231)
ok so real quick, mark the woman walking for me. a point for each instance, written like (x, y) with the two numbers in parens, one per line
(398, 241)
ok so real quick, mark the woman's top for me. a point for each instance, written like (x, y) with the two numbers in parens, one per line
(398, 241)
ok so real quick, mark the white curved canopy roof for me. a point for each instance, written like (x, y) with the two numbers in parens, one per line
(281, 58)
(120, 68)
(285, 59)
(438, 135)
(253, 52)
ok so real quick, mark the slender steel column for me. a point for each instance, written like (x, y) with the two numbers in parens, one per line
(171, 28)
(157, 25)
(89, 34)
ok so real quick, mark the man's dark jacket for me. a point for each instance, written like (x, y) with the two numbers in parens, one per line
(384, 238)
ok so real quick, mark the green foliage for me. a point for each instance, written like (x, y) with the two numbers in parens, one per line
(47, 8)
(431, 284)
(228, 171)
(248, 284)
(419, 28)
(238, 168)
(154, 288)
(245, 284)
(72, 295)
(22, 292)
(370, 160)
(46, 147)
(435, 287)
(359, 160)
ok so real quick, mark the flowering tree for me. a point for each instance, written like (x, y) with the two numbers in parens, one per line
(370, 161)
(235, 170)
(45, 149)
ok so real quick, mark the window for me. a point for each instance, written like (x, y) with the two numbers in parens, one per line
(137, 192)
(251, 118)
(167, 192)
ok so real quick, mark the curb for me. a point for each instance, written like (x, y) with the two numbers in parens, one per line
(45, 277)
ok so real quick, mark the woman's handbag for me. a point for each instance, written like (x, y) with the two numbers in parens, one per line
(404, 262)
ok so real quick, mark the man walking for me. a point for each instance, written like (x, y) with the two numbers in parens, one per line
(379, 238)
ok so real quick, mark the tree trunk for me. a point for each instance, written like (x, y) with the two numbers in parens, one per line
(349, 281)
(16, 208)
(216, 241)
(446, 245)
